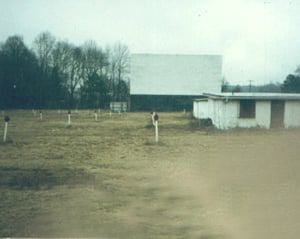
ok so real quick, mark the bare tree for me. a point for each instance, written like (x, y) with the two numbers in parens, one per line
(119, 68)
(75, 72)
(43, 46)
(94, 84)
(61, 56)
(69, 62)
(95, 60)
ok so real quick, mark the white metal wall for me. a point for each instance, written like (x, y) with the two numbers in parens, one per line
(292, 114)
(225, 114)
(200, 109)
(262, 116)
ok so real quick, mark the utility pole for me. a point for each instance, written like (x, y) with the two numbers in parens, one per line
(250, 85)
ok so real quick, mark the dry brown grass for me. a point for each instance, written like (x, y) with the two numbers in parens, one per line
(109, 179)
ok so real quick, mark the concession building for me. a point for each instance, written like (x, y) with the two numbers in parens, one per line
(246, 110)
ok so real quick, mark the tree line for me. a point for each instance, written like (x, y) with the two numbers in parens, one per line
(58, 74)
(291, 84)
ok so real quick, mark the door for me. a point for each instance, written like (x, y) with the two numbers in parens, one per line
(277, 113)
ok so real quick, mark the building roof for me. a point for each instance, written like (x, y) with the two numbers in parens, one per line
(163, 74)
(253, 96)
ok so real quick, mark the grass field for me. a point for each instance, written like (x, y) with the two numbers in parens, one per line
(108, 178)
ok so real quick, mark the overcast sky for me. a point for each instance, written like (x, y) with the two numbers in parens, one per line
(258, 39)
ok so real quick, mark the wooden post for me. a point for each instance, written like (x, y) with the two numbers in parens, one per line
(152, 117)
(69, 118)
(155, 117)
(6, 119)
(96, 115)
(156, 131)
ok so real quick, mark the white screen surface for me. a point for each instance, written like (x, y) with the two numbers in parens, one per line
(152, 74)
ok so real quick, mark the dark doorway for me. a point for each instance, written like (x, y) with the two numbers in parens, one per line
(277, 113)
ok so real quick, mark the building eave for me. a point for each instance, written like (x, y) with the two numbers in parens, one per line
(252, 96)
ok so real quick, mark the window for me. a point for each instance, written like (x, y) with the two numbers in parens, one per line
(247, 108)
